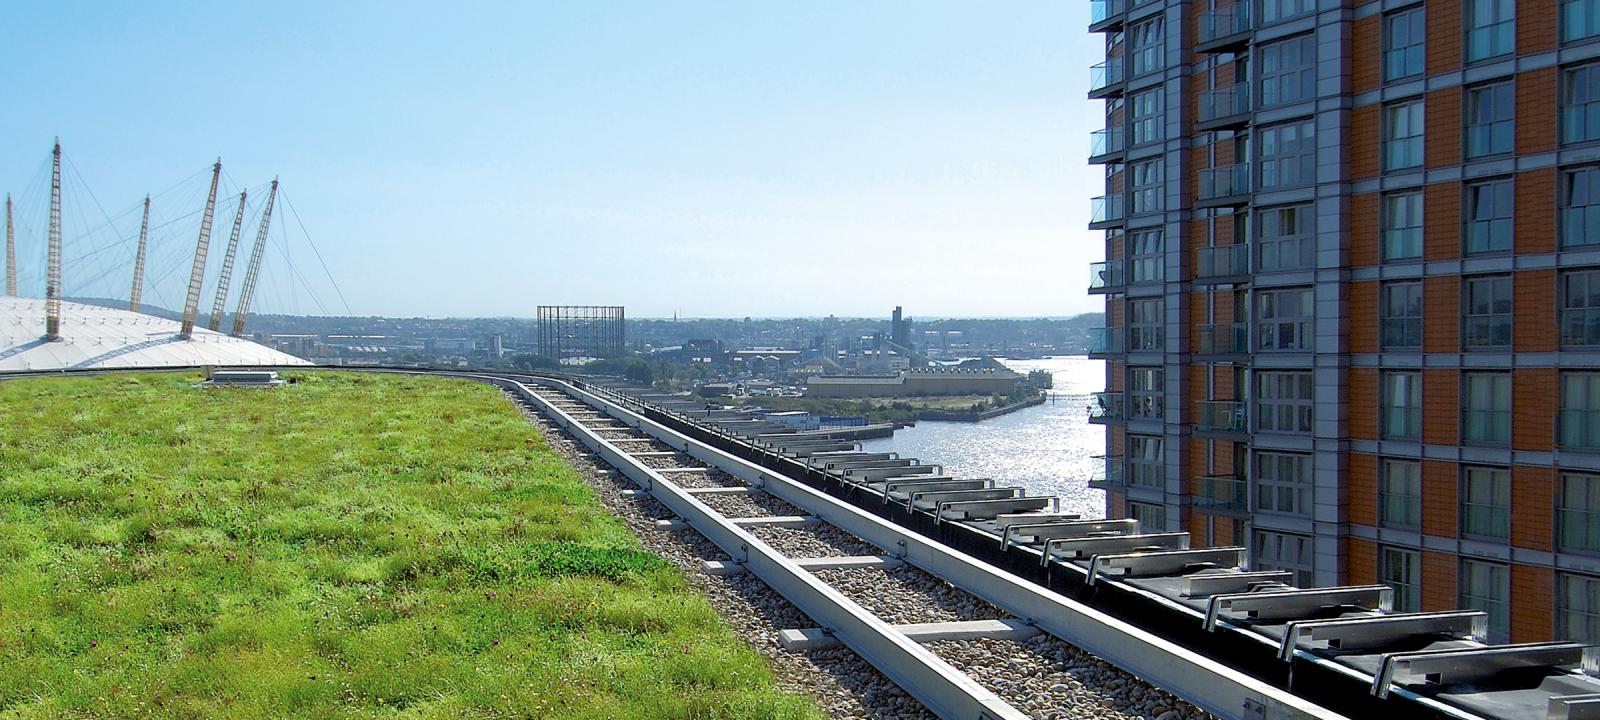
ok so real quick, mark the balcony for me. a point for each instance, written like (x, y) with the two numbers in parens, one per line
(1223, 262)
(1224, 339)
(1105, 210)
(1224, 107)
(1105, 341)
(1106, 277)
(1106, 78)
(1107, 145)
(1106, 407)
(1106, 14)
(1225, 185)
(1224, 28)
(1222, 495)
(1228, 416)
(1107, 473)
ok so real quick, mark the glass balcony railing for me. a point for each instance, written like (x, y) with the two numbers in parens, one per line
(1222, 416)
(1106, 208)
(1103, 10)
(1106, 473)
(1105, 74)
(1224, 102)
(1105, 341)
(1105, 275)
(1224, 339)
(1224, 181)
(1106, 407)
(1222, 494)
(1222, 261)
(1107, 141)
(1224, 22)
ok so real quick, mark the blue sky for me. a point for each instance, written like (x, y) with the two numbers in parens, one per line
(711, 159)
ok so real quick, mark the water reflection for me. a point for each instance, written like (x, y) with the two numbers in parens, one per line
(1045, 449)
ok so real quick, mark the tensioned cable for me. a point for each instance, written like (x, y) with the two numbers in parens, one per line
(315, 251)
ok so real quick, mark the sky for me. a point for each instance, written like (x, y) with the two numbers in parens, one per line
(705, 159)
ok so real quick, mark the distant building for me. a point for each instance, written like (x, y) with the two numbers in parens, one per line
(900, 331)
(581, 331)
(915, 383)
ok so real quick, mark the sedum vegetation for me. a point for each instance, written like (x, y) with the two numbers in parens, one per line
(347, 546)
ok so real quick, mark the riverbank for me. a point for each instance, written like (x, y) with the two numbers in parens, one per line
(980, 415)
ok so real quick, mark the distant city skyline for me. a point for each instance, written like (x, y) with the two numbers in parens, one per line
(714, 162)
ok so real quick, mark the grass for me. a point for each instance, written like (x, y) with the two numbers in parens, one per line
(348, 546)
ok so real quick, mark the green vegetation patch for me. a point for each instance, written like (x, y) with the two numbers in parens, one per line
(350, 545)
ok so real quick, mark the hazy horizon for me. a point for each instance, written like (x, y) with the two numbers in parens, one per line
(714, 161)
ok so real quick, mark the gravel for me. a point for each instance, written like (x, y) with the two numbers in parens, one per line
(1052, 680)
(908, 595)
(753, 505)
(813, 541)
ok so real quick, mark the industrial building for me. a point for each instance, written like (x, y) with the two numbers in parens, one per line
(1352, 277)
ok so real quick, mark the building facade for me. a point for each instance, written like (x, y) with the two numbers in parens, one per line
(1353, 292)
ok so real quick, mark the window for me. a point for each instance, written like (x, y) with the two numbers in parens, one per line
(1275, 10)
(1284, 402)
(1489, 210)
(1579, 19)
(1402, 225)
(1402, 405)
(1404, 36)
(1150, 516)
(1580, 308)
(1146, 180)
(1400, 493)
(1287, 238)
(1580, 207)
(1578, 513)
(1402, 570)
(1288, 155)
(1485, 586)
(1145, 328)
(1282, 551)
(1146, 116)
(1146, 395)
(1491, 119)
(1146, 47)
(1145, 463)
(1486, 502)
(1284, 319)
(1580, 104)
(1401, 315)
(1144, 256)
(1288, 71)
(1283, 483)
(1580, 410)
(1402, 135)
(1491, 28)
(1486, 412)
(1578, 608)
(1488, 318)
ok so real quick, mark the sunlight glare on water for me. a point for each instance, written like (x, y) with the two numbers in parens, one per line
(1045, 448)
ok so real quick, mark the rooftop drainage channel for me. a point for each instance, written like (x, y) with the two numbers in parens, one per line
(1207, 683)
(944, 690)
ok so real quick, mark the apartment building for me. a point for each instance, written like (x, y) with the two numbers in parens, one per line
(1352, 287)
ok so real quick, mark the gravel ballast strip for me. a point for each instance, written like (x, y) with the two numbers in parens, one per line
(813, 541)
(757, 504)
(1051, 680)
(841, 683)
(908, 595)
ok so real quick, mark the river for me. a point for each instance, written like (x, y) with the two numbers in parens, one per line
(1045, 448)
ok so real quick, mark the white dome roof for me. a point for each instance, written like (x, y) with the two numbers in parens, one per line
(98, 337)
